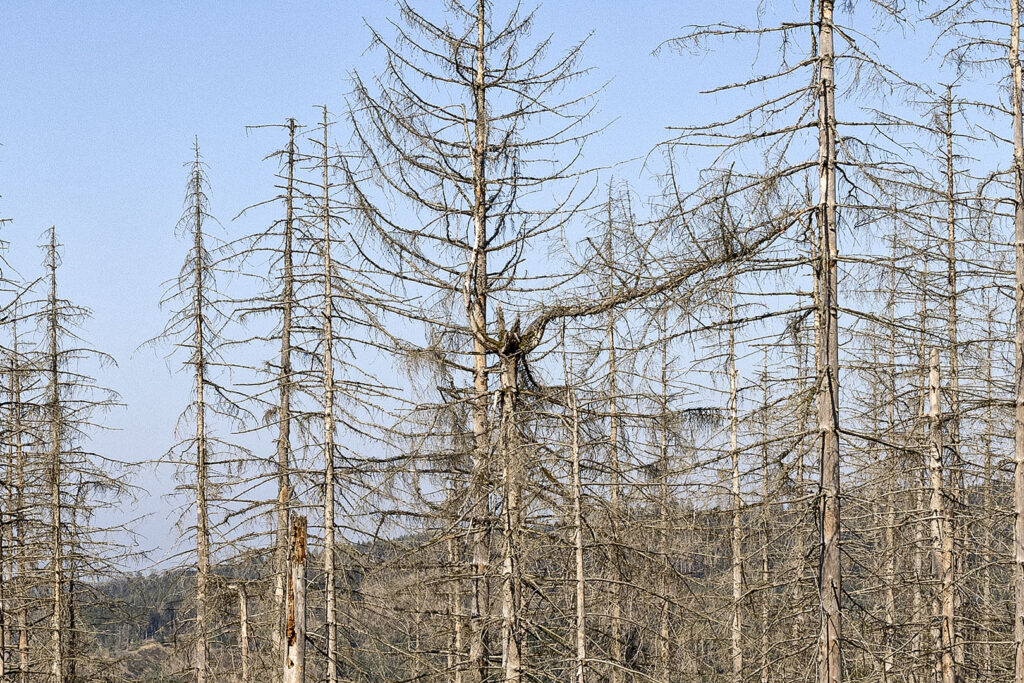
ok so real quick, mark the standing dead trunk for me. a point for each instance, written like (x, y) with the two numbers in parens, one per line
(615, 627)
(327, 344)
(1018, 423)
(202, 459)
(736, 632)
(830, 586)
(243, 631)
(284, 385)
(513, 624)
(55, 475)
(577, 521)
(942, 542)
(956, 466)
(476, 293)
(295, 625)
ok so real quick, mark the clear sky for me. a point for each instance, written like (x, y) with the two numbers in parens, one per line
(99, 103)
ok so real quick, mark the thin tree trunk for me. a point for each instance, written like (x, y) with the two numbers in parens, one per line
(202, 456)
(830, 590)
(615, 627)
(295, 631)
(941, 537)
(577, 513)
(243, 631)
(736, 632)
(956, 471)
(664, 635)
(476, 309)
(57, 625)
(1018, 423)
(328, 362)
(284, 410)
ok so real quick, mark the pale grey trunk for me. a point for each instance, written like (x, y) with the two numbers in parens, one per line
(1018, 423)
(736, 632)
(327, 342)
(830, 586)
(476, 310)
(284, 411)
(942, 542)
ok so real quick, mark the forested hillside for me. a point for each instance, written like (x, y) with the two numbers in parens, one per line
(463, 404)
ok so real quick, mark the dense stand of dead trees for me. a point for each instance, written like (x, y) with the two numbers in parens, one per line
(459, 412)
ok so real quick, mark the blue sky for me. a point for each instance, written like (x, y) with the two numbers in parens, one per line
(99, 103)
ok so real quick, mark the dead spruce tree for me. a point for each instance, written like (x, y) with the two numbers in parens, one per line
(466, 123)
(194, 329)
(796, 132)
(274, 386)
(75, 482)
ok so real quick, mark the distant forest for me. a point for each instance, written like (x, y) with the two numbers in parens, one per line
(466, 409)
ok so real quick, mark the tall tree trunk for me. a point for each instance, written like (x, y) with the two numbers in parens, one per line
(830, 586)
(58, 666)
(284, 384)
(327, 342)
(476, 310)
(1018, 423)
(736, 632)
(956, 469)
(202, 456)
(615, 627)
(295, 631)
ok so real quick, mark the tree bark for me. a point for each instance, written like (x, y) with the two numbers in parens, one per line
(284, 384)
(942, 542)
(830, 586)
(1018, 423)
(295, 631)
(202, 456)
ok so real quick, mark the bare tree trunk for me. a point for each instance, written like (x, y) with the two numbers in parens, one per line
(18, 500)
(830, 591)
(615, 628)
(202, 459)
(1018, 423)
(55, 476)
(284, 411)
(327, 342)
(956, 473)
(577, 513)
(476, 309)
(736, 632)
(513, 624)
(664, 635)
(243, 630)
(295, 633)
(941, 538)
